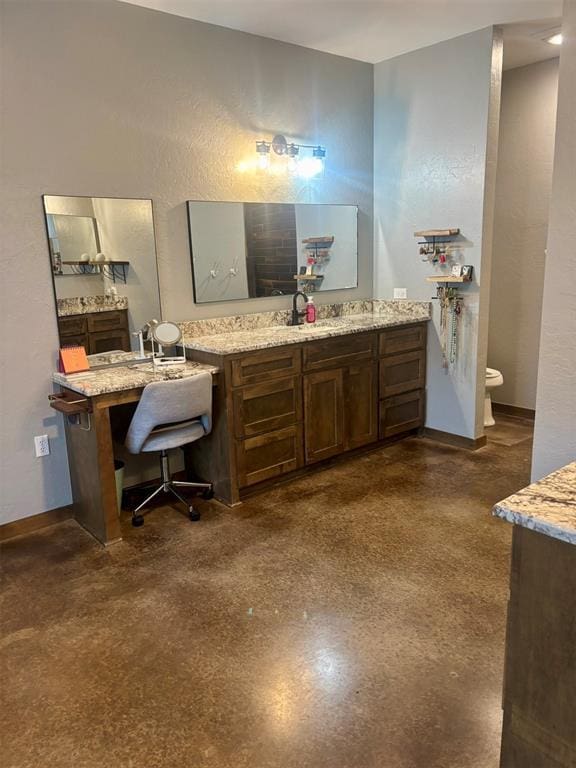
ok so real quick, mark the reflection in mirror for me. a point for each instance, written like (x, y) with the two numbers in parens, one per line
(103, 260)
(251, 250)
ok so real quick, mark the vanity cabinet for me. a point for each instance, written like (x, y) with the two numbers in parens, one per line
(288, 407)
(96, 331)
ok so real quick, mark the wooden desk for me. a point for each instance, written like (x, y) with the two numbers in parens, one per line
(89, 440)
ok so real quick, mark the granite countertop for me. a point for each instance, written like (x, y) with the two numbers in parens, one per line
(117, 379)
(83, 305)
(548, 506)
(236, 341)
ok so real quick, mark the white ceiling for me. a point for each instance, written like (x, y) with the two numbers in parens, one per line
(373, 30)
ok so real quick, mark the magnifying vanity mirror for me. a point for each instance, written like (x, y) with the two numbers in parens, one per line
(104, 269)
(252, 250)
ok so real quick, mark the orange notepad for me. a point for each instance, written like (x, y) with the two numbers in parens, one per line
(73, 360)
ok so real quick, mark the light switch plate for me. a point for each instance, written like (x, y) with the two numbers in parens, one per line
(399, 293)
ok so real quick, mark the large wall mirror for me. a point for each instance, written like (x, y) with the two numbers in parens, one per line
(252, 250)
(103, 261)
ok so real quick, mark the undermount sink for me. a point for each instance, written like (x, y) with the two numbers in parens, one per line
(310, 328)
(306, 328)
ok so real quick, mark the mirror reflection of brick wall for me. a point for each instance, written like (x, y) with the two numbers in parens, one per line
(271, 248)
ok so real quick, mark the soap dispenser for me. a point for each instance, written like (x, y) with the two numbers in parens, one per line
(310, 310)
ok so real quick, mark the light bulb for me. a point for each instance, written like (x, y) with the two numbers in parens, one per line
(263, 161)
(292, 164)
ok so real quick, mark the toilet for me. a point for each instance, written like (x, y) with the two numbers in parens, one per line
(493, 379)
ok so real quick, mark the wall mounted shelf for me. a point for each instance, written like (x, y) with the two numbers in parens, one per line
(448, 279)
(113, 270)
(438, 232)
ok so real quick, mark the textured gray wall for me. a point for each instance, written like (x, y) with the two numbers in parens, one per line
(434, 110)
(523, 184)
(555, 431)
(108, 99)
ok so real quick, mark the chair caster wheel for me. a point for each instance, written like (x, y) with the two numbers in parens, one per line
(208, 493)
(193, 514)
(137, 521)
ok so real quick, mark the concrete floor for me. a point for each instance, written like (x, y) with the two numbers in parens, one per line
(352, 619)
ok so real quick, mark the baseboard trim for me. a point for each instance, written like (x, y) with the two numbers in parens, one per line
(514, 410)
(35, 522)
(458, 441)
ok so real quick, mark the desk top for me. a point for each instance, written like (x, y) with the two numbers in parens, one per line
(125, 377)
(548, 506)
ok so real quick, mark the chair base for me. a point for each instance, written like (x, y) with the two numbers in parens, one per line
(169, 486)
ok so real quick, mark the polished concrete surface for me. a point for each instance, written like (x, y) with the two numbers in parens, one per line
(352, 619)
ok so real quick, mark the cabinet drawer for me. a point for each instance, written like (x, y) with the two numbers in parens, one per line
(402, 373)
(403, 339)
(268, 406)
(401, 413)
(339, 351)
(107, 321)
(107, 341)
(72, 326)
(266, 365)
(270, 455)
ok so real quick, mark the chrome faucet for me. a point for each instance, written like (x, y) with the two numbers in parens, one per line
(296, 315)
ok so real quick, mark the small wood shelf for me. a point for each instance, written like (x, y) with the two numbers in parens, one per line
(447, 279)
(114, 270)
(438, 232)
(308, 277)
(92, 263)
(70, 403)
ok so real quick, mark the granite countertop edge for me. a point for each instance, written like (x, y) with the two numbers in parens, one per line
(533, 523)
(547, 506)
(124, 378)
(223, 343)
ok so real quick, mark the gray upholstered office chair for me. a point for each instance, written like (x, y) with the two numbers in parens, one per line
(170, 414)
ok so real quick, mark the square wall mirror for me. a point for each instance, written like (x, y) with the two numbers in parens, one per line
(257, 250)
(104, 269)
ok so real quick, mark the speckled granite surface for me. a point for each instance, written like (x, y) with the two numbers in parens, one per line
(232, 335)
(234, 323)
(114, 356)
(83, 305)
(548, 506)
(102, 382)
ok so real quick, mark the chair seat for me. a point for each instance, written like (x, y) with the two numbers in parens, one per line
(173, 436)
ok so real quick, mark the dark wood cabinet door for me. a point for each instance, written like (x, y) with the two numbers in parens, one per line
(78, 340)
(267, 406)
(402, 373)
(271, 455)
(361, 404)
(106, 341)
(324, 414)
(401, 413)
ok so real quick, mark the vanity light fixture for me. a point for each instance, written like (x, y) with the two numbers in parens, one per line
(307, 165)
(263, 150)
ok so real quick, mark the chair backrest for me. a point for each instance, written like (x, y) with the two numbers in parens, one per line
(170, 402)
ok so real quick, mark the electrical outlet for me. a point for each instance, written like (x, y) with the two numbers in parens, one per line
(41, 445)
(399, 293)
